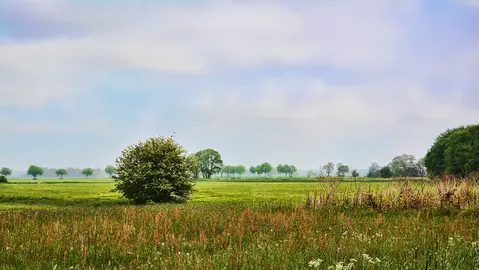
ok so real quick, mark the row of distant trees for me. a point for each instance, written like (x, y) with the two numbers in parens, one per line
(36, 171)
(209, 162)
(261, 169)
(328, 169)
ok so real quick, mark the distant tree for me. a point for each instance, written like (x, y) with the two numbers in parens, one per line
(223, 171)
(3, 179)
(240, 170)
(386, 172)
(228, 170)
(374, 170)
(404, 165)
(342, 169)
(252, 169)
(195, 166)
(286, 169)
(35, 171)
(266, 168)
(210, 162)
(292, 170)
(156, 170)
(280, 169)
(421, 168)
(355, 173)
(110, 170)
(6, 172)
(329, 168)
(87, 172)
(259, 170)
(312, 173)
(61, 173)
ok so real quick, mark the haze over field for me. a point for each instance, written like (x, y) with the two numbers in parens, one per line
(301, 83)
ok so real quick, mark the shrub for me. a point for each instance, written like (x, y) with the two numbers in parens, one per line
(3, 179)
(157, 170)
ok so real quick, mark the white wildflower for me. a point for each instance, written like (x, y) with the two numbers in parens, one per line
(370, 259)
(315, 263)
(341, 266)
(450, 242)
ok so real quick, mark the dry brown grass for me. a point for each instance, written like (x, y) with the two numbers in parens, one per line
(445, 192)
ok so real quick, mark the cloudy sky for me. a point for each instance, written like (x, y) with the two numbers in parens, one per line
(301, 82)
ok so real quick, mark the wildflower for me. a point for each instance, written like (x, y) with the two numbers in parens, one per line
(370, 259)
(341, 266)
(450, 242)
(315, 263)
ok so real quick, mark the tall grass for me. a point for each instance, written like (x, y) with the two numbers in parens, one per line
(442, 193)
(224, 237)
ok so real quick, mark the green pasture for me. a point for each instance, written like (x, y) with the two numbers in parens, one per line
(55, 193)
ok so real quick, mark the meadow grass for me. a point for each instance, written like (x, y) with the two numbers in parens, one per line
(55, 193)
(70, 224)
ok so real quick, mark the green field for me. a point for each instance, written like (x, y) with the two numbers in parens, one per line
(54, 193)
(80, 224)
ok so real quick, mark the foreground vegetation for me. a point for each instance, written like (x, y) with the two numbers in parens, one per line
(235, 225)
(234, 237)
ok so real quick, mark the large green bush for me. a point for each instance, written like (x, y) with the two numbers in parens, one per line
(157, 170)
(454, 152)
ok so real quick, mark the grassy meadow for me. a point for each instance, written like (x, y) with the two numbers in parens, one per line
(80, 224)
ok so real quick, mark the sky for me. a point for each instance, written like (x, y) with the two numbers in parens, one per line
(299, 82)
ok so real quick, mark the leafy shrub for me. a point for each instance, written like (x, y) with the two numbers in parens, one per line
(157, 170)
(3, 179)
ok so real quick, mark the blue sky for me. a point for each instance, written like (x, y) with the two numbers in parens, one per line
(298, 82)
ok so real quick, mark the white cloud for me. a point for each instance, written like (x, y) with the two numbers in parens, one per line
(77, 43)
(399, 97)
(321, 121)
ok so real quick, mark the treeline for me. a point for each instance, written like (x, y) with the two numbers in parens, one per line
(455, 152)
(401, 166)
(73, 172)
(36, 171)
